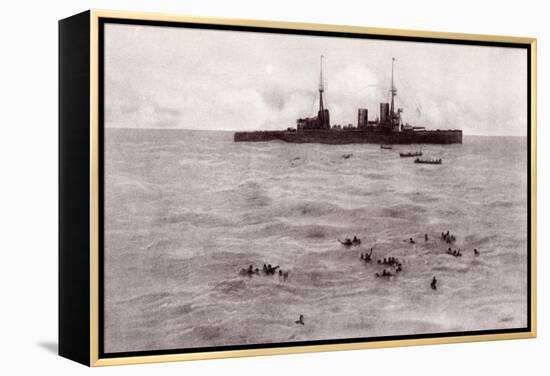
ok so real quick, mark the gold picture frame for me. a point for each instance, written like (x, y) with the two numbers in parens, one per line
(80, 337)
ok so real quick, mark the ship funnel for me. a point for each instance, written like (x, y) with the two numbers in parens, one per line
(384, 113)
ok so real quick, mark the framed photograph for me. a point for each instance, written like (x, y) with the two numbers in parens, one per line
(236, 188)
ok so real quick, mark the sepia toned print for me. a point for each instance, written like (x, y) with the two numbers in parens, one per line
(275, 188)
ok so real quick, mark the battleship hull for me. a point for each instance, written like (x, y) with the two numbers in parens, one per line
(357, 136)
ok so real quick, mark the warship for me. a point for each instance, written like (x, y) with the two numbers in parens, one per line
(388, 128)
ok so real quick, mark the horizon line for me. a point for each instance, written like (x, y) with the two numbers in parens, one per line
(271, 130)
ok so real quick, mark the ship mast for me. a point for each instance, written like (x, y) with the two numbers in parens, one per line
(321, 87)
(322, 116)
(393, 91)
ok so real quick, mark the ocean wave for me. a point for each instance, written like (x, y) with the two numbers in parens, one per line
(186, 211)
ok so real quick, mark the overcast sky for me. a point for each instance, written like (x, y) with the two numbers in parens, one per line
(163, 77)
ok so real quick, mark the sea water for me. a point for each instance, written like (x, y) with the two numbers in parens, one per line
(185, 211)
